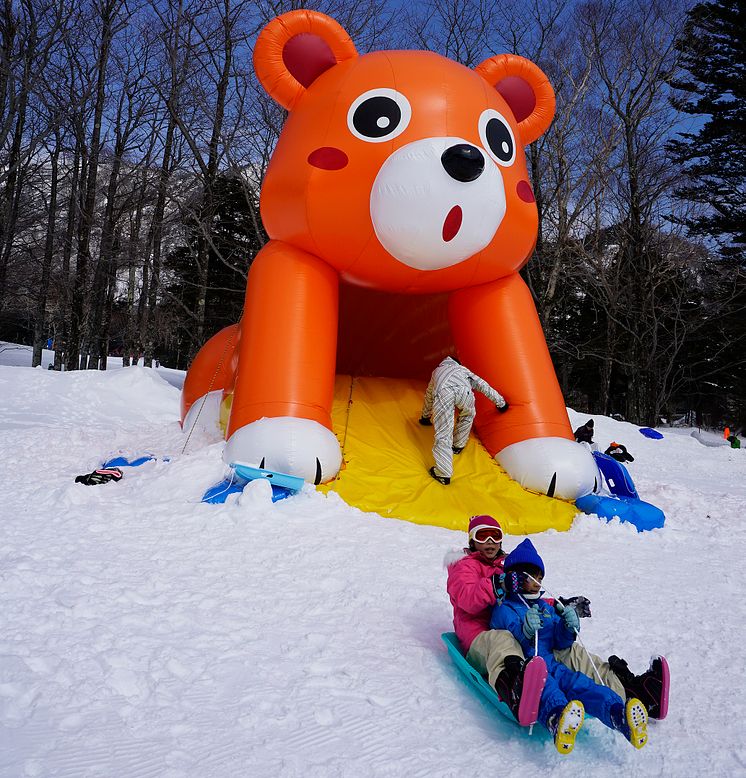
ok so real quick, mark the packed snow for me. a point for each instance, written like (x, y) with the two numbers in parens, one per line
(144, 633)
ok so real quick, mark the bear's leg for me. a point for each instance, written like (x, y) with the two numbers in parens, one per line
(281, 412)
(498, 336)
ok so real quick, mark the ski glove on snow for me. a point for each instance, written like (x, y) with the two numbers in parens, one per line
(102, 476)
(531, 622)
(571, 620)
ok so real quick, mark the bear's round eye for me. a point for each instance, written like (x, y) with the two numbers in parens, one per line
(497, 137)
(379, 115)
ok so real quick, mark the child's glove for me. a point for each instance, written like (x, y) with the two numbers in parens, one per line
(101, 476)
(531, 622)
(570, 619)
(503, 408)
(425, 421)
(581, 604)
(498, 587)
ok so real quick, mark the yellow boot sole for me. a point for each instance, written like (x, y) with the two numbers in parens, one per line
(637, 721)
(570, 722)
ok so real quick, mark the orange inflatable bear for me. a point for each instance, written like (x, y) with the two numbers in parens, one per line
(401, 171)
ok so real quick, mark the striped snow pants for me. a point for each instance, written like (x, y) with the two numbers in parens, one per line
(445, 403)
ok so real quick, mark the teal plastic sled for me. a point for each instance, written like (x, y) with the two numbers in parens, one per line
(249, 473)
(476, 680)
(283, 485)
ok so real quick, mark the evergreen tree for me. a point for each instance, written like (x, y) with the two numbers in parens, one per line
(713, 52)
(235, 237)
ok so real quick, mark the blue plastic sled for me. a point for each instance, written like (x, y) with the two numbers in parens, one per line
(642, 514)
(626, 504)
(122, 461)
(283, 485)
(648, 432)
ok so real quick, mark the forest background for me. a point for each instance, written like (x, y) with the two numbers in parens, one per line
(134, 137)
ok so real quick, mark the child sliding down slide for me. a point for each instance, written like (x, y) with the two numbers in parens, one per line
(541, 629)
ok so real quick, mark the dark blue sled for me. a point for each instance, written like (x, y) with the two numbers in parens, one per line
(649, 432)
(616, 475)
(283, 485)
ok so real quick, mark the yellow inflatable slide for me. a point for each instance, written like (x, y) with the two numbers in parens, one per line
(386, 455)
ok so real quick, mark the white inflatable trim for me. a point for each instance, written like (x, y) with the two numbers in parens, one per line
(289, 445)
(207, 416)
(538, 462)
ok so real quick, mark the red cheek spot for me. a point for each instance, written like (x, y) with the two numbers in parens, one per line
(328, 158)
(523, 190)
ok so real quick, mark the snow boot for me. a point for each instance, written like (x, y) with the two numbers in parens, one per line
(651, 688)
(441, 479)
(564, 723)
(520, 685)
(632, 721)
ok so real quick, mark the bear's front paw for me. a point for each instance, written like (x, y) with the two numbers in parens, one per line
(287, 445)
(556, 467)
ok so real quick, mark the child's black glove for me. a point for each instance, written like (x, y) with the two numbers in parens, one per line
(498, 587)
(581, 604)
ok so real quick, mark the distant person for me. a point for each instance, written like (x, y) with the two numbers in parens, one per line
(542, 628)
(584, 433)
(451, 389)
(619, 452)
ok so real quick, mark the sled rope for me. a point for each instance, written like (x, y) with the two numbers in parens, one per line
(347, 422)
(209, 388)
(577, 631)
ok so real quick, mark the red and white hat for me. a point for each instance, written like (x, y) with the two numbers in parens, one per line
(483, 521)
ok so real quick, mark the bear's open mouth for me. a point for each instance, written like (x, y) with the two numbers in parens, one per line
(452, 224)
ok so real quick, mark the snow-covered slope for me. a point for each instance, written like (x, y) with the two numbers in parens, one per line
(143, 633)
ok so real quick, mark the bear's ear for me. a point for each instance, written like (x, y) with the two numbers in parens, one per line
(526, 90)
(294, 49)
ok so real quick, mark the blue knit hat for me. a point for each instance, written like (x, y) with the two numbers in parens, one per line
(524, 554)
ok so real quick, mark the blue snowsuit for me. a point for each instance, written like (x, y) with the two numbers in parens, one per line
(562, 684)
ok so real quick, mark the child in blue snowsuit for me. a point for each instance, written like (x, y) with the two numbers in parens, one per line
(566, 694)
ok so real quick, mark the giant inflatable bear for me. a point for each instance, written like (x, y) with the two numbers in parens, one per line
(401, 171)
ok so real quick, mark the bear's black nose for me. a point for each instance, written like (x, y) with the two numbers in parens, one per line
(463, 162)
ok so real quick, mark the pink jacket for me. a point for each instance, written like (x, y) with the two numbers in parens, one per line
(472, 596)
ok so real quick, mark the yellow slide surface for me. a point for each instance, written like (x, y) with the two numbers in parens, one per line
(387, 454)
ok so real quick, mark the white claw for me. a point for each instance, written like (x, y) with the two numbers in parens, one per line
(554, 466)
(287, 445)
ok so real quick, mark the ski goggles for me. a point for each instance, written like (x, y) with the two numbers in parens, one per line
(485, 534)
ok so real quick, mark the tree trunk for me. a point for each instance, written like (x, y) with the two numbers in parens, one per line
(88, 193)
(46, 270)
